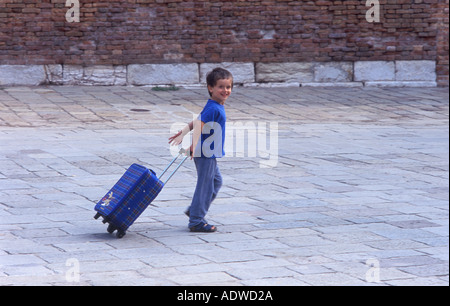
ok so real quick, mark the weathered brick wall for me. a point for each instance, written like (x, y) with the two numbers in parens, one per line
(123, 32)
(441, 16)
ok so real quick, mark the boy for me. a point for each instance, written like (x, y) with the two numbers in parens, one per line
(207, 145)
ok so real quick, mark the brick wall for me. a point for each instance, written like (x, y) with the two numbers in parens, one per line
(123, 32)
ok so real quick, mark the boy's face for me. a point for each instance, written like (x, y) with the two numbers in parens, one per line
(221, 91)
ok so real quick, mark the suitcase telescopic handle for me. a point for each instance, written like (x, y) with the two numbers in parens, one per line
(182, 151)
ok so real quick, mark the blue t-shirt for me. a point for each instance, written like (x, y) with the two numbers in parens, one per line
(213, 134)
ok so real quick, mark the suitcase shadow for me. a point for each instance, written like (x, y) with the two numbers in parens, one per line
(102, 236)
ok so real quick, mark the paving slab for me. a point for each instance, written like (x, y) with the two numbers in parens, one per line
(346, 186)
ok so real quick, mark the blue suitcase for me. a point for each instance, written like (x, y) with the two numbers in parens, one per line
(131, 195)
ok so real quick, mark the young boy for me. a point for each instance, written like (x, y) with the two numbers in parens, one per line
(207, 145)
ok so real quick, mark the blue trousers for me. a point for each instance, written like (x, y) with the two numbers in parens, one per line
(209, 181)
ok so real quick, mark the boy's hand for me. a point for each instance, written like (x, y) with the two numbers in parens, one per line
(189, 152)
(176, 139)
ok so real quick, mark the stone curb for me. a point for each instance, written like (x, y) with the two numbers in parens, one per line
(420, 73)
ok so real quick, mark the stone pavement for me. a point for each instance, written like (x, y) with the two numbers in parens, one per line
(346, 187)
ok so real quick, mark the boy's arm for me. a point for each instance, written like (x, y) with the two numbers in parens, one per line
(178, 137)
(198, 128)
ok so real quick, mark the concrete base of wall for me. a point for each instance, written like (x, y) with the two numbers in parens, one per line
(362, 73)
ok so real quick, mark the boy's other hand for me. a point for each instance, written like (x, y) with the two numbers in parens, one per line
(189, 152)
(176, 139)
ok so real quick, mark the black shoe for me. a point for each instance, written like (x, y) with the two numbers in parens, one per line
(203, 228)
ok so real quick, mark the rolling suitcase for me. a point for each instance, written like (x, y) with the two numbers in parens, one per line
(131, 195)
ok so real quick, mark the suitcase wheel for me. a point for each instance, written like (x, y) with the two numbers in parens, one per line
(97, 216)
(111, 229)
(120, 234)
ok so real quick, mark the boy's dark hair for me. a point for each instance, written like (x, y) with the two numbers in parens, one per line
(218, 74)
